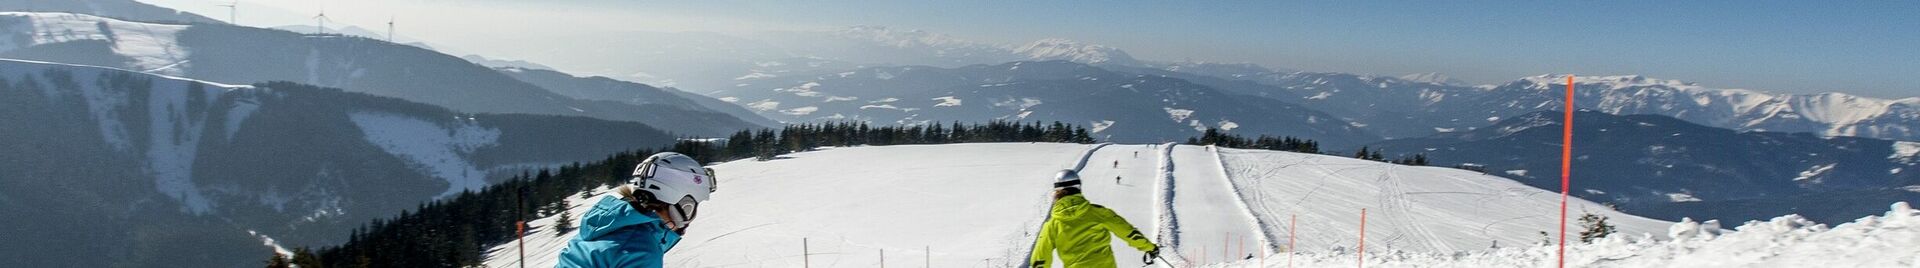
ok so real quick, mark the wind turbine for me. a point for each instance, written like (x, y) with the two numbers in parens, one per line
(322, 20)
(233, 9)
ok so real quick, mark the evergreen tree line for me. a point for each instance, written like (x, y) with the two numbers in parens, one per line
(454, 232)
(1379, 155)
(1216, 137)
(767, 143)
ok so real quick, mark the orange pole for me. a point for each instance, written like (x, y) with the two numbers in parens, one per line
(1363, 238)
(1566, 166)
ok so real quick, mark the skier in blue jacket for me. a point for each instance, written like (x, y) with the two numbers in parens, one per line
(637, 228)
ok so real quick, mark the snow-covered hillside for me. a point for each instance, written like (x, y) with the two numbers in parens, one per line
(169, 161)
(151, 47)
(978, 205)
(1828, 114)
(1074, 51)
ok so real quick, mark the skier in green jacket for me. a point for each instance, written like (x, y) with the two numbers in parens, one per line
(1078, 230)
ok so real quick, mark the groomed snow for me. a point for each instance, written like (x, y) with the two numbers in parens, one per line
(1411, 208)
(978, 205)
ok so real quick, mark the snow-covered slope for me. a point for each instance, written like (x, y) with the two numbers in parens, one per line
(1827, 114)
(121, 9)
(240, 55)
(149, 47)
(161, 161)
(1891, 239)
(1433, 78)
(1075, 51)
(977, 205)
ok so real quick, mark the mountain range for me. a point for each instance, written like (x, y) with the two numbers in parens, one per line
(239, 55)
(1122, 107)
(136, 164)
(1662, 167)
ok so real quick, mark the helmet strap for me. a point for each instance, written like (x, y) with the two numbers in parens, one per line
(666, 216)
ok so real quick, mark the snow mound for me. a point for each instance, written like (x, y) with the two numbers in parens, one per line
(1889, 240)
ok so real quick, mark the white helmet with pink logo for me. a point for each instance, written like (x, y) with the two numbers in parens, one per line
(675, 179)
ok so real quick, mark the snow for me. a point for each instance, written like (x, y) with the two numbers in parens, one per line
(1905, 151)
(886, 100)
(1100, 125)
(1228, 125)
(1888, 240)
(1517, 172)
(882, 106)
(948, 101)
(764, 105)
(1178, 115)
(173, 134)
(1208, 209)
(152, 47)
(730, 99)
(1064, 49)
(1682, 197)
(755, 75)
(270, 243)
(1320, 96)
(1813, 173)
(1022, 103)
(1911, 188)
(971, 204)
(1411, 208)
(800, 111)
(438, 151)
(976, 205)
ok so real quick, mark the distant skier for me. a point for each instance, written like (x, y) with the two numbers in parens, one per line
(1078, 230)
(648, 217)
(1116, 163)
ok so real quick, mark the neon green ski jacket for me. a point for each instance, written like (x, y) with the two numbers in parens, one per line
(1078, 230)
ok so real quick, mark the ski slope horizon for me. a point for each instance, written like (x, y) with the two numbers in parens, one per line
(980, 205)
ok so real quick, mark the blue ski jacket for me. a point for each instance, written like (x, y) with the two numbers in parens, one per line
(614, 234)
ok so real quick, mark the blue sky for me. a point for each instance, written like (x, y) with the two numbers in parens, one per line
(1861, 47)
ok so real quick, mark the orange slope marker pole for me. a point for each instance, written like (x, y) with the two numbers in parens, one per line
(1566, 168)
(1363, 238)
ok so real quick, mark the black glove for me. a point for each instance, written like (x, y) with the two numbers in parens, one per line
(1151, 254)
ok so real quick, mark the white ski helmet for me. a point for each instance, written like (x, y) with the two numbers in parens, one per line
(1066, 178)
(676, 179)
